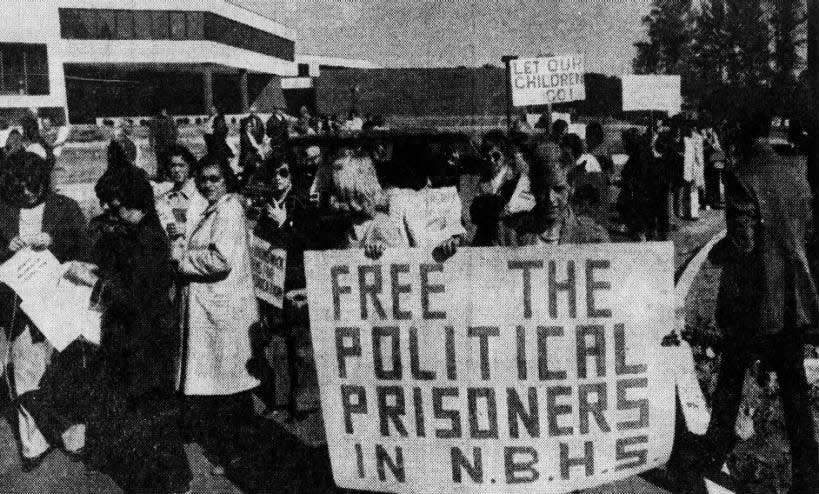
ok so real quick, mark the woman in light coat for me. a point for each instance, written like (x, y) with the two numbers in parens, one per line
(221, 308)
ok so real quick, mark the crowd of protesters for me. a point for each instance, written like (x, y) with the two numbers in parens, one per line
(184, 336)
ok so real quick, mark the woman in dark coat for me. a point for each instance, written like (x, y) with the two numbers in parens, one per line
(124, 389)
(283, 224)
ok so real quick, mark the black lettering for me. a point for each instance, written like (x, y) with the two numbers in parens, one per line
(595, 409)
(598, 350)
(396, 467)
(475, 431)
(639, 456)
(360, 405)
(398, 289)
(521, 344)
(415, 360)
(568, 286)
(543, 371)
(516, 410)
(483, 333)
(388, 412)
(371, 289)
(338, 290)
(343, 351)
(420, 428)
(514, 468)
(359, 460)
(451, 365)
(567, 463)
(623, 403)
(620, 366)
(526, 267)
(592, 285)
(427, 289)
(459, 462)
(380, 332)
(438, 411)
(553, 410)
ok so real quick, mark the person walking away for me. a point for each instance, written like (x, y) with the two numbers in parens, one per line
(162, 136)
(215, 135)
(221, 309)
(767, 304)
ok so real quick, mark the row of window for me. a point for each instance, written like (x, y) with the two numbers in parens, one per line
(170, 25)
(23, 69)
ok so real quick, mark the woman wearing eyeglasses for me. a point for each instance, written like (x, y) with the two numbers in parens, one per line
(283, 224)
(220, 311)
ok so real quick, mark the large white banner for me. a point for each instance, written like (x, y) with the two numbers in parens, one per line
(523, 370)
(652, 92)
(546, 80)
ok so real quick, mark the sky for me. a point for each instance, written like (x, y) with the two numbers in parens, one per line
(445, 33)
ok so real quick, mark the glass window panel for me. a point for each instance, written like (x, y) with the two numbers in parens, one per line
(177, 25)
(37, 69)
(142, 24)
(71, 26)
(159, 25)
(125, 24)
(107, 24)
(90, 22)
(196, 25)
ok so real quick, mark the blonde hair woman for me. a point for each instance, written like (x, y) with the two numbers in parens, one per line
(356, 191)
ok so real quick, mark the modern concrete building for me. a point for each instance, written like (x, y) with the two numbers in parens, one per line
(82, 59)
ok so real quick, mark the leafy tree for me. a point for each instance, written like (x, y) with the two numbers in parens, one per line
(669, 34)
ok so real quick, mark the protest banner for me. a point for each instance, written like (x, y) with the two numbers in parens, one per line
(547, 80)
(501, 370)
(652, 92)
(268, 267)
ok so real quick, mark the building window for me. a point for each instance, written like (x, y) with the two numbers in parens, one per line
(304, 70)
(178, 25)
(159, 25)
(196, 25)
(23, 69)
(107, 26)
(142, 24)
(125, 24)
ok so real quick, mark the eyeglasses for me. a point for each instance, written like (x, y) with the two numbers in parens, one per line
(283, 172)
(214, 179)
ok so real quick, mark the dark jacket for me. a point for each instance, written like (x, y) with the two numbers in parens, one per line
(62, 219)
(139, 340)
(524, 228)
(277, 130)
(164, 133)
(766, 285)
(257, 133)
(293, 236)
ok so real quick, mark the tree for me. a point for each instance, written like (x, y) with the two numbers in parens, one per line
(669, 35)
(788, 22)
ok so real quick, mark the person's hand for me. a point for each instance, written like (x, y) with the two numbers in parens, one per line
(16, 244)
(39, 241)
(276, 213)
(82, 273)
(446, 249)
(373, 250)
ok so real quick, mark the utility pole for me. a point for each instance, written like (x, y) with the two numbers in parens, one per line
(507, 59)
(813, 118)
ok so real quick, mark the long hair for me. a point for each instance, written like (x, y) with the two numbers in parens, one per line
(355, 185)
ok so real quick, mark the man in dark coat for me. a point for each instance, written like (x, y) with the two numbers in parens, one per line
(251, 137)
(163, 137)
(767, 304)
(277, 129)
